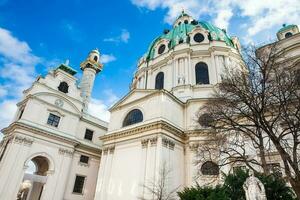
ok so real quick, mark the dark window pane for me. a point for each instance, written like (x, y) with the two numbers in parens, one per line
(159, 81)
(161, 49)
(201, 71)
(133, 117)
(63, 87)
(89, 134)
(95, 58)
(21, 113)
(78, 186)
(288, 34)
(198, 37)
(186, 21)
(84, 159)
(210, 168)
(53, 120)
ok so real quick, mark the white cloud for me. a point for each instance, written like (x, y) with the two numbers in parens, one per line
(98, 109)
(123, 37)
(260, 15)
(111, 97)
(17, 65)
(106, 58)
(14, 49)
(8, 109)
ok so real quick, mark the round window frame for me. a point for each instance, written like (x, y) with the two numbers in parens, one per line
(199, 40)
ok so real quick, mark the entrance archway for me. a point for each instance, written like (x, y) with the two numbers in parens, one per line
(35, 178)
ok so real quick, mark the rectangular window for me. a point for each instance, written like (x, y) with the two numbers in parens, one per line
(78, 186)
(84, 159)
(53, 120)
(88, 134)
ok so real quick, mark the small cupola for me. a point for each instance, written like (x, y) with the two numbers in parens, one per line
(287, 31)
(92, 61)
(183, 18)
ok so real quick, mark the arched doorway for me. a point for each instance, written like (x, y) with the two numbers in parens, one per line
(35, 178)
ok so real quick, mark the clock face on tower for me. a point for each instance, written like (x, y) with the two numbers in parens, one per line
(59, 102)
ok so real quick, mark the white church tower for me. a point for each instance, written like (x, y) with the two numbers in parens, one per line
(90, 67)
(51, 150)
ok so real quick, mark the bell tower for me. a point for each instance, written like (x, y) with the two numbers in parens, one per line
(90, 67)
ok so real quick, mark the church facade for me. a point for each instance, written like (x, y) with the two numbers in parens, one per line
(153, 127)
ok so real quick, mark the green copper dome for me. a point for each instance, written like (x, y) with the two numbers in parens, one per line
(179, 34)
(285, 27)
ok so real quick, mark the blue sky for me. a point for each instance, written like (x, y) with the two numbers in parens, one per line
(37, 35)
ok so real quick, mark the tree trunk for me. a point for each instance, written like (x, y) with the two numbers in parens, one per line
(263, 155)
(296, 187)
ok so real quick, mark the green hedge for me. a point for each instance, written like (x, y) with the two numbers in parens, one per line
(232, 189)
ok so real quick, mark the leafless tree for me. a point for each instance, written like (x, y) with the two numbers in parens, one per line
(158, 189)
(260, 106)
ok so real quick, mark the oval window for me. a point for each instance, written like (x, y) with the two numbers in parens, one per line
(198, 37)
(161, 49)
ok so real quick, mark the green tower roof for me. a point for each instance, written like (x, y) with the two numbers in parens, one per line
(67, 69)
(285, 27)
(180, 32)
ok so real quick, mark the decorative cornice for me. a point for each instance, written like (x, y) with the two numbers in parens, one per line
(109, 149)
(74, 142)
(145, 143)
(161, 124)
(194, 146)
(66, 152)
(153, 141)
(168, 143)
(23, 140)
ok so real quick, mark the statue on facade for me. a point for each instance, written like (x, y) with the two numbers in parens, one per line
(254, 189)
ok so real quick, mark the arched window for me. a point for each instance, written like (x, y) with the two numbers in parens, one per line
(133, 117)
(288, 34)
(201, 71)
(210, 168)
(159, 81)
(186, 21)
(63, 87)
(96, 58)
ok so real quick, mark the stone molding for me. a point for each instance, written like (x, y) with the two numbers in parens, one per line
(145, 143)
(66, 152)
(158, 125)
(109, 149)
(23, 140)
(194, 146)
(153, 141)
(21, 125)
(168, 143)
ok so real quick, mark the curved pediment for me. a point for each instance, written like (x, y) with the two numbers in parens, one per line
(59, 101)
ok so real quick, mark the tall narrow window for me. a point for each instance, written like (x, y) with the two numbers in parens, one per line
(63, 87)
(88, 134)
(78, 185)
(21, 113)
(53, 120)
(133, 117)
(159, 81)
(201, 71)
